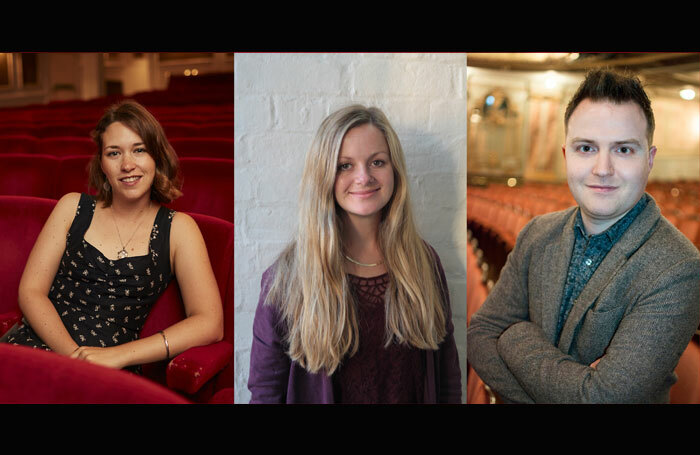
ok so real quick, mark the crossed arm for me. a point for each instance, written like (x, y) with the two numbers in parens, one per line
(517, 359)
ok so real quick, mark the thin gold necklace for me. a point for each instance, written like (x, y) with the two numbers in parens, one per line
(123, 253)
(361, 264)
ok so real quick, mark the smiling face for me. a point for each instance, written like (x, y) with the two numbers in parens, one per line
(128, 167)
(608, 160)
(364, 181)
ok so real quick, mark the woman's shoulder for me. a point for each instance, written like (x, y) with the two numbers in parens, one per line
(67, 207)
(182, 221)
(183, 227)
(69, 201)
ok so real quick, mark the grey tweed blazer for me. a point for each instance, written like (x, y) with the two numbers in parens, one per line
(637, 314)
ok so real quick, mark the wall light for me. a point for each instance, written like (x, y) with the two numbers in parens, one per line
(550, 79)
(687, 94)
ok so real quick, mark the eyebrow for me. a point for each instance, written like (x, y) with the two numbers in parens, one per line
(135, 144)
(370, 157)
(625, 141)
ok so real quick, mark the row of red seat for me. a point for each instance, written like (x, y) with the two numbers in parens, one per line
(91, 116)
(199, 374)
(172, 129)
(506, 210)
(85, 114)
(477, 291)
(206, 92)
(207, 182)
(209, 147)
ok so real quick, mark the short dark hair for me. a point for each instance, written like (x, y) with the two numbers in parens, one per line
(167, 181)
(617, 87)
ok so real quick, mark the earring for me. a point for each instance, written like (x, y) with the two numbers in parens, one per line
(106, 186)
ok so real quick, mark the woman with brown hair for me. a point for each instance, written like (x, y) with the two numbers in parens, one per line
(101, 262)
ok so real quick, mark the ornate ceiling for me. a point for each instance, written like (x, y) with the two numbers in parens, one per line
(658, 68)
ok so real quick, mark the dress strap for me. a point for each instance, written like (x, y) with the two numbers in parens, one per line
(160, 237)
(83, 217)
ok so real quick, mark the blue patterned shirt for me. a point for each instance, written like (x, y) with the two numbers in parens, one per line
(589, 251)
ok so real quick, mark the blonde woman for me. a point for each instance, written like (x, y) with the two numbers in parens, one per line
(356, 308)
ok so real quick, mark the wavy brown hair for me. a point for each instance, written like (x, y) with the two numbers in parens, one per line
(311, 288)
(167, 182)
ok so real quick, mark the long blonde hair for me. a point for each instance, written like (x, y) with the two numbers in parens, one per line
(311, 288)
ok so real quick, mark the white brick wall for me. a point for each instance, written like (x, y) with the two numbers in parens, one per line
(281, 100)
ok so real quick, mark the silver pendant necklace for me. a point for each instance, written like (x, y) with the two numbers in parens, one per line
(121, 254)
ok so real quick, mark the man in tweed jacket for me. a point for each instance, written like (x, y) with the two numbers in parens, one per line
(596, 303)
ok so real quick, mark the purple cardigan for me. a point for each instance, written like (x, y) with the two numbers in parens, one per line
(275, 378)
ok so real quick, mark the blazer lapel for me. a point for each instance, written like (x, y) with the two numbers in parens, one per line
(554, 266)
(631, 240)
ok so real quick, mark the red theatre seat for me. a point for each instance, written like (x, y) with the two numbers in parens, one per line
(63, 129)
(66, 146)
(21, 220)
(175, 130)
(687, 389)
(476, 390)
(198, 372)
(34, 376)
(27, 175)
(210, 147)
(207, 187)
(15, 128)
(18, 143)
(72, 176)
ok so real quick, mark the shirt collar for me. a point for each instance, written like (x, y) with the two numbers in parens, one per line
(614, 232)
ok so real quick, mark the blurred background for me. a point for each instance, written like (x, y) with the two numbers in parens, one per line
(40, 78)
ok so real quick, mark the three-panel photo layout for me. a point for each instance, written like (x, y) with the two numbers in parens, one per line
(350, 228)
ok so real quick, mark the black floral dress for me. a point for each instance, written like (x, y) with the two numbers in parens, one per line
(104, 302)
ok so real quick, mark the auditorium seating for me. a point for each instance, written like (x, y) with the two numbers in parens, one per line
(687, 389)
(18, 143)
(207, 182)
(28, 175)
(207, 187)
(206, 147)
(45, 149)
(21, 220)
(500, 212)
(198, 373)
(476, 285)
(476, 295)
(66, 146)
